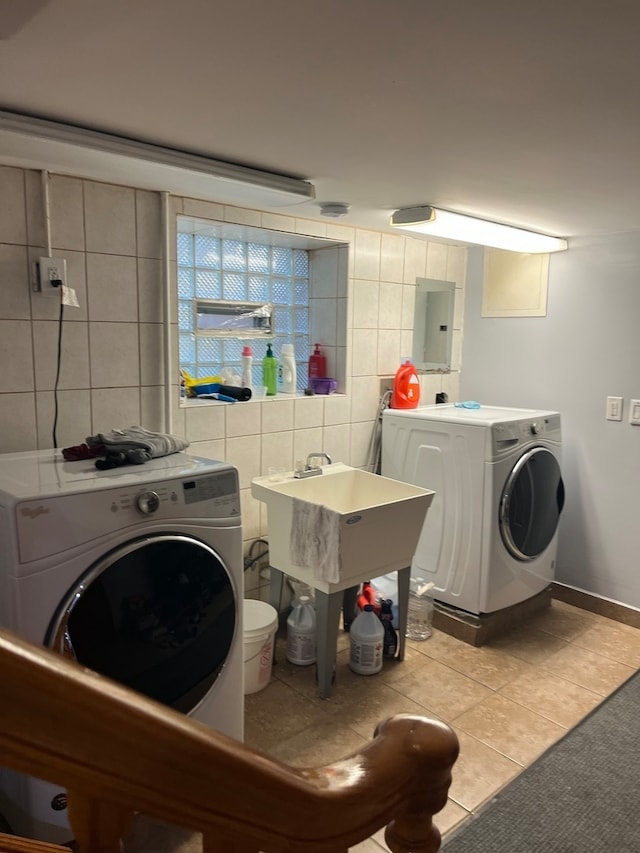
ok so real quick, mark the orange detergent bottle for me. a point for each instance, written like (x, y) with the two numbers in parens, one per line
(368, 595)
(406, 387)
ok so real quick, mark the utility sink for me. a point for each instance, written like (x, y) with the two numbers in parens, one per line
(379, 521)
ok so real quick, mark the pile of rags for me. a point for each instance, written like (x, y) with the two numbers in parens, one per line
(134, 445)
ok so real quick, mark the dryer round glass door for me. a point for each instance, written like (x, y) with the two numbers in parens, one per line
(531, 503)
(157, 614)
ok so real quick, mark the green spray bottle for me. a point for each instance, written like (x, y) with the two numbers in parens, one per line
(270, 372)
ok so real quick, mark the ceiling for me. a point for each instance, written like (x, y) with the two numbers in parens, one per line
(524, 113)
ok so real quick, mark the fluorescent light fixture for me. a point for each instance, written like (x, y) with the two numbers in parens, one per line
(36, 143)
(467, 229)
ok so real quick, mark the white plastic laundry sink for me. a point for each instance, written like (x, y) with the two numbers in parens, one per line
(378, 520)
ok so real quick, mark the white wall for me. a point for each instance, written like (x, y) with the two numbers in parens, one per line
(586, 348)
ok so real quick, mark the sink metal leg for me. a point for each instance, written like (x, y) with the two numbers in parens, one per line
(349, 598)
(276, 582)
(404, 577)
(328, 607)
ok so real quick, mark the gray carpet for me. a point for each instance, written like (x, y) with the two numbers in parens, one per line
(582, 794)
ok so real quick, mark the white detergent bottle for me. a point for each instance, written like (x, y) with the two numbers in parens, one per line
(288, 369)
(301, 633)
(366, 637)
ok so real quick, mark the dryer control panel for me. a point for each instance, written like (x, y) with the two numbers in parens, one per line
(510, 434)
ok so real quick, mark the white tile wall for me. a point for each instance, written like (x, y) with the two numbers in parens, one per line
(74, 364)
(16, 356)
(113, 345)
(148, 224)
(242, 420)
(150, 290)
(13, 214)
(151, 350)
(277, 415)
(110, 218)
(306, 441)
(366, 303)
(114, 408)
(35, 209)
(392, 249)
(66, 203)
(18, 422)
(276, 449)
(205, 423)
(337, 410)
(74, 417)
(111, 281)
(152, 408)
(390, 306)
(14, 282)
(437, 254)
(308, 412)
(366, 259)
(114, 355)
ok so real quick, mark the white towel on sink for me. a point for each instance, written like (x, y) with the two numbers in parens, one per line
(315, 540)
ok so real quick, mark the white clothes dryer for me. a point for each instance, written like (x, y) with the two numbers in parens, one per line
(489, 539)
(137, 573)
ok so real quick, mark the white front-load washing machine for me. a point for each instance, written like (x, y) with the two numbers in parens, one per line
(137, 573)
(489, 538)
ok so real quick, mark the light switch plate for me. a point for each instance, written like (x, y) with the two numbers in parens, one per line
(614, 408)
(634, 412)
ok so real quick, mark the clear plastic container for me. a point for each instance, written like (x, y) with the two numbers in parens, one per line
(420, 610)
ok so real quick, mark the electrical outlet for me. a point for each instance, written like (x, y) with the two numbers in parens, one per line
(614, 408)
(52, 270)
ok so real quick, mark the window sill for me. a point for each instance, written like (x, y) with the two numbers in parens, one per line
(195, 402)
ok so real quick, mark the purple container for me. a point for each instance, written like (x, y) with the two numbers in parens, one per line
(323, 384)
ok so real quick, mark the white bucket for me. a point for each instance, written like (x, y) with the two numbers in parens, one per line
(260, 624)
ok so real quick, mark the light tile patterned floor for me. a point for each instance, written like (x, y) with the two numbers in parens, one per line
(507, 701)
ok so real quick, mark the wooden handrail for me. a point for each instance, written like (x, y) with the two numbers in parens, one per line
(118, 753)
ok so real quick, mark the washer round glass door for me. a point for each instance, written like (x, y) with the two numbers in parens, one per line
(157, 614)
(531, 503)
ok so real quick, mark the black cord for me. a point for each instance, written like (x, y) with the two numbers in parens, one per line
(257, 542)
(55, 387)
(250, 560)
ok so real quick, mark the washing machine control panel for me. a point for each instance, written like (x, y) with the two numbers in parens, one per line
(148, 502)
(48, 525)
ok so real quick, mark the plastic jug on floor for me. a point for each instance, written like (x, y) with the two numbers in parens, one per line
(366, 638)
(420, 610)
(301, 633)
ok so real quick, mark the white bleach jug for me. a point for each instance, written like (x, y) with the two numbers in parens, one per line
(366, 637)
(301, 633)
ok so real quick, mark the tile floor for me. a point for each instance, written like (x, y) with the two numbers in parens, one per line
(507, 701)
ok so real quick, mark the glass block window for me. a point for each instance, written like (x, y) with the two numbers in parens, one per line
(235, 270)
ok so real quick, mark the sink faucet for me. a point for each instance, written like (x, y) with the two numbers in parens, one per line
(310, 470)
(317, 456)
